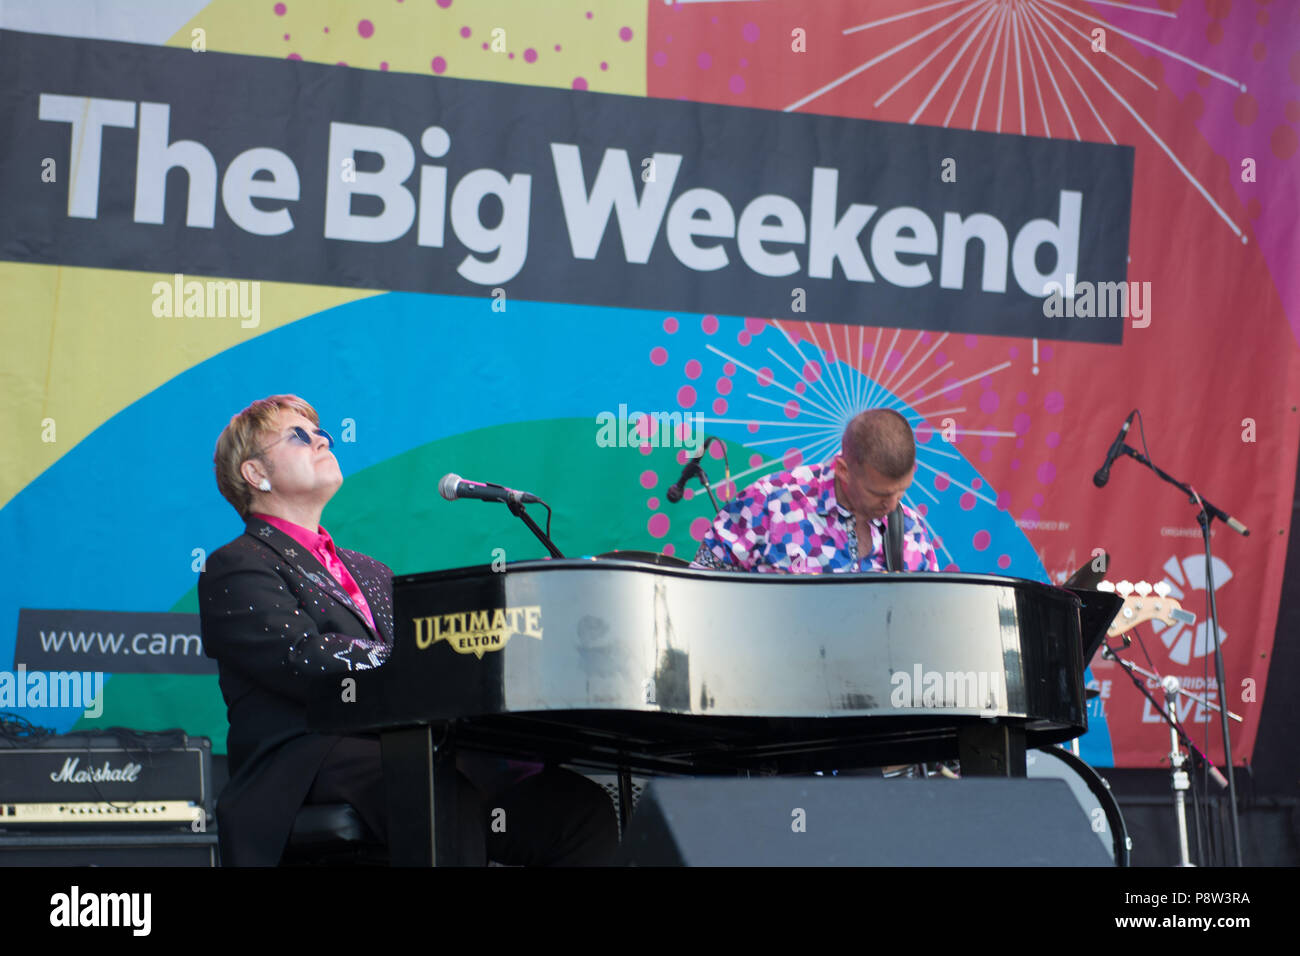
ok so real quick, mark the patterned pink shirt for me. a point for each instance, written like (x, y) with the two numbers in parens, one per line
(791, 523)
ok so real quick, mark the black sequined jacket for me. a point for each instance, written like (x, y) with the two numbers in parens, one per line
(275, 620)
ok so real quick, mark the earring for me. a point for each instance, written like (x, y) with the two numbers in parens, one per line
(265, 485)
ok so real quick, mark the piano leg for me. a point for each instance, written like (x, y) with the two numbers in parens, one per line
(991, 750)
(421, 786)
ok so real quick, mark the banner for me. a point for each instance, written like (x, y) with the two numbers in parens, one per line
(500, 239)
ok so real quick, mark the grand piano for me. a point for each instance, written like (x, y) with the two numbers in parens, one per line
(638, 668)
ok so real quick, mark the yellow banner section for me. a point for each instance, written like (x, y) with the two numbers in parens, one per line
(572, 44)
(82, 344)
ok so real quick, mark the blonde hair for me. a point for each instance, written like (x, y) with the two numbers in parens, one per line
(244, 438)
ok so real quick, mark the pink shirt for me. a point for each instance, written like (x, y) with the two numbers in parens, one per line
(321, 545)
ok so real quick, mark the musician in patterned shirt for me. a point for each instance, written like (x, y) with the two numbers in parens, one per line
(811, 519)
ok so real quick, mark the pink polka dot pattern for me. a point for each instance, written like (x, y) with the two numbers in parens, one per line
(686, 396)
(658, 525)
(658, 355)
(698, 528)
(438, 65)
(366, 29)
(709, 324)
(693, 369)
(670, 325)
(280, 9)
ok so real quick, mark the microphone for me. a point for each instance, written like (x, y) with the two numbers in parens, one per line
(1103, 473)
(453, 486)
(690, 470)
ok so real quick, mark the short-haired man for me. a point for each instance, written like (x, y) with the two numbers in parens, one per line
(811, 519)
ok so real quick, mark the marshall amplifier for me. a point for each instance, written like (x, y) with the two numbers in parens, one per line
(117, 779)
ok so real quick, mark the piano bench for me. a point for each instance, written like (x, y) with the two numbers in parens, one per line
(332, 834)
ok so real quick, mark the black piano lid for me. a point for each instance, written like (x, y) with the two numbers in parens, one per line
(1097, 609)
(1096, 612)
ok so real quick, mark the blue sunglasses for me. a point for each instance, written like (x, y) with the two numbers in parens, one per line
(297, 433)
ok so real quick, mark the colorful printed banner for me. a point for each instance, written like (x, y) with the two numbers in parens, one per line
(1014, 224)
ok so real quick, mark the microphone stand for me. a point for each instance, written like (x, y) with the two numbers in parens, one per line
(516, 507)
(704, 480)
(1169, 711)
(1208, 512)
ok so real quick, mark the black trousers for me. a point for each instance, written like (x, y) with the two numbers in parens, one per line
(550, 818)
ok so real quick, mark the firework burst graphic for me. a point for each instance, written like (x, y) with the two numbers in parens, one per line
(1045, 58)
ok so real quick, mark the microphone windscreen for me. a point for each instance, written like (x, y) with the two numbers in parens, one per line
(447, 486)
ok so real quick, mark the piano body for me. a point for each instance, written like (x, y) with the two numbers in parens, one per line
(659, 670)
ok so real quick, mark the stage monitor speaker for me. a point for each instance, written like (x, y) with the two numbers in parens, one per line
(857, 821)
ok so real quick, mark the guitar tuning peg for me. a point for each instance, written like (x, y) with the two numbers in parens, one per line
(1125, 588)
(1163, 588)
(1142, 588)
(1106, 586)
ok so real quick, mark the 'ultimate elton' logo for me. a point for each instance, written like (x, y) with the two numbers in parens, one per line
(476, 632)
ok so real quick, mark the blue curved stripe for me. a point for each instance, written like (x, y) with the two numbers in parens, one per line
(114, 523)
